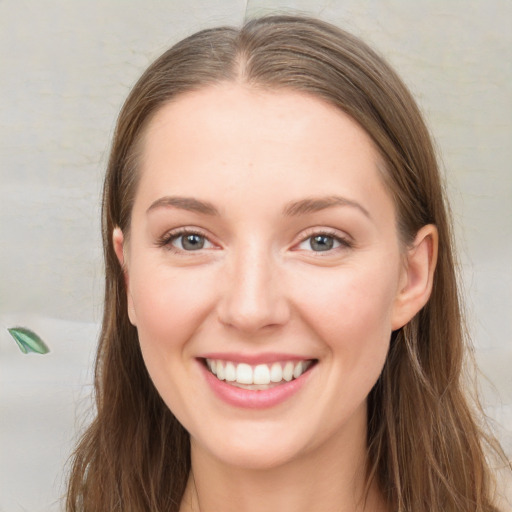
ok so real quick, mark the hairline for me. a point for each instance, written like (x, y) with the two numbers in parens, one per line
(136, 152)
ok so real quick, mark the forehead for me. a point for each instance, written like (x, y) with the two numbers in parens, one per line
(271, 116)
(246, 140)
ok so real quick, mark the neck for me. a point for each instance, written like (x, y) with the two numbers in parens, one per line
(314, 482)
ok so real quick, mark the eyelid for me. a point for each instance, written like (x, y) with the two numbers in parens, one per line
(168, 237)
(344, 239)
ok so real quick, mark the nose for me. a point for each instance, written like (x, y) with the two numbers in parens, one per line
(252, 296)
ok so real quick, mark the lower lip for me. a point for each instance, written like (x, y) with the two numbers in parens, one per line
(254, 399)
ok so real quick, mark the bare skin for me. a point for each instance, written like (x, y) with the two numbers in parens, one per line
(262, 231)
(334, 486)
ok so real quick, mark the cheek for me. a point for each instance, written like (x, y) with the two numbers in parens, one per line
(350, 308)
(169, 303)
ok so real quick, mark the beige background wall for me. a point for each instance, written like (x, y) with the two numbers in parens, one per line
(65, 69)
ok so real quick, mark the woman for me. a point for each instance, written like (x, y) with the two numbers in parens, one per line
(282, 328)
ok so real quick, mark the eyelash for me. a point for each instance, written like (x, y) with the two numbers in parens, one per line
(166, 241)
(344, 242)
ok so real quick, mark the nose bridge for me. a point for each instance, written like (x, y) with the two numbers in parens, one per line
(252, 295)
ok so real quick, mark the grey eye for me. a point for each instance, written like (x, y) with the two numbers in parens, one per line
(321, 242)
(190, 242)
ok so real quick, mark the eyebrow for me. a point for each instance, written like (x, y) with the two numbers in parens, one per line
(315, 204)
(292, 209)
(184, 203)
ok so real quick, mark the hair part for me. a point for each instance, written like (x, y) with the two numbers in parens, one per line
(424, 445)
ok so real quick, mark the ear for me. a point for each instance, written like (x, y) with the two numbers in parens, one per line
(417, 276)
(118, 241)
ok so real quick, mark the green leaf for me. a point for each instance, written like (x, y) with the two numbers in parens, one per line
(28, 340)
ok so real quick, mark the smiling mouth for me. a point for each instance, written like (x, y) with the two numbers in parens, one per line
(260, 376)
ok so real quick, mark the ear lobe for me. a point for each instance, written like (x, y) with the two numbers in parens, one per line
(418, 276)
(118, 242)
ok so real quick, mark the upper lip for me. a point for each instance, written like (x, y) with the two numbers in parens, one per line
(254, 359)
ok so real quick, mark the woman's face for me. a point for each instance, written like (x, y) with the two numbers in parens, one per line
(263, 246)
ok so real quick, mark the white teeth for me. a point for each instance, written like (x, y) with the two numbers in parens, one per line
(288, 371)
(297, 371)
(276, 373)
(261, 374)
(244, 374)
(221, 373)
(230, 372)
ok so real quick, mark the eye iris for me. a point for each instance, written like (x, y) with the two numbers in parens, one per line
(192, 242)
(321, 242)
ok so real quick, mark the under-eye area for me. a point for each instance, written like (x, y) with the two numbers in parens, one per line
(259, 376)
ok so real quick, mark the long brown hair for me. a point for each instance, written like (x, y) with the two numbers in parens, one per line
(425, 447)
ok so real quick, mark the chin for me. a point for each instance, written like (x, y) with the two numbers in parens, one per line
(264, 449)
(255, 459)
